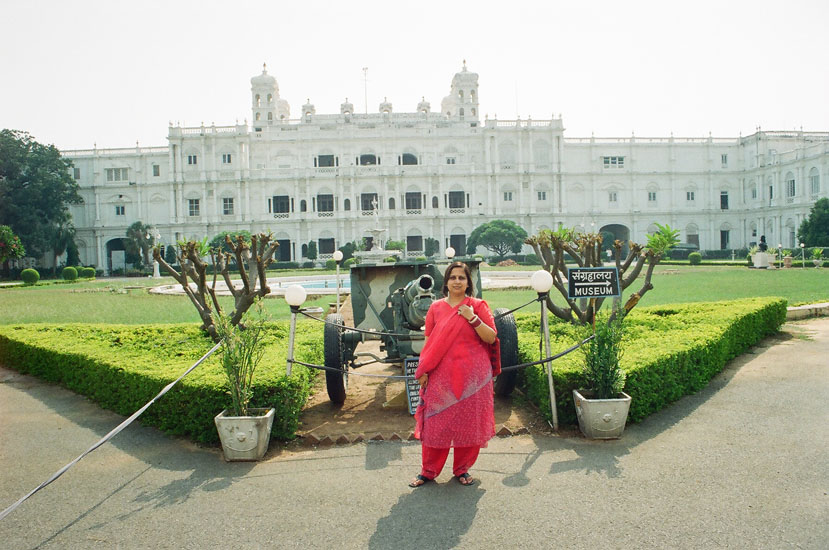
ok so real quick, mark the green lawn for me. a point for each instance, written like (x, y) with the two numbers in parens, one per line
(127, 300)
(682, 284)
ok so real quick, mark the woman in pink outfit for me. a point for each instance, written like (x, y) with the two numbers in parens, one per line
(455, 372)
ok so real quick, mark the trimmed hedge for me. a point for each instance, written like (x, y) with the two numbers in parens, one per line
(30, 276)
(69, 273)
(121, 367)
(669, 351)
(86, 272)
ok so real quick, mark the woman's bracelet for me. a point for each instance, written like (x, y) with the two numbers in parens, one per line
(475, 321)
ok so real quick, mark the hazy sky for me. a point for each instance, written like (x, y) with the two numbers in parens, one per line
(112, 72)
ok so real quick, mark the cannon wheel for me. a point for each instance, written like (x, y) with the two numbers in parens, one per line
(508, 335)
(335, 382)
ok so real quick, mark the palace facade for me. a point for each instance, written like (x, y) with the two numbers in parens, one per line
(317, 177)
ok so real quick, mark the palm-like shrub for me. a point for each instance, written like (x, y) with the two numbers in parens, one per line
(602, 372)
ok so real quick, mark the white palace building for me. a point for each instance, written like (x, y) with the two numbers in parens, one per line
(440, 175)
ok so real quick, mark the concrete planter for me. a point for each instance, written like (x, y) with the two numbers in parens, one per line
(761, 260)
(601, 418)
(787, 261)
(245, 437)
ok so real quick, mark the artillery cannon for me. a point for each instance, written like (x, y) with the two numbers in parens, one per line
(389, 303)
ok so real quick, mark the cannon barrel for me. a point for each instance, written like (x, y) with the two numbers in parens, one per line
(422, 286)
(417, 297)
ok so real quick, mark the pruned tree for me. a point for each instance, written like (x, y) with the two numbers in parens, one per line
(586, 250)
(252, 259)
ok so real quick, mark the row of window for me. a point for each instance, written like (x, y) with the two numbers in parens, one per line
(619, 162)
(114, 175)
(283, 204)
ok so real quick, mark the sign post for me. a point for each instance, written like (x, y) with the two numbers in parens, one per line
(593, 282)
(412, 386)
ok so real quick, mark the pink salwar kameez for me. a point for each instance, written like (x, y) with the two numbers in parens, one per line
(456, 407)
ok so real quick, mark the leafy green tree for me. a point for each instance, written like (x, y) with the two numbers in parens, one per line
(219, 243)
(73, 258)
(10, 248)
(36, 189)
(814, 231)
(497, 236)
(348, 250)
(139, 243)
(62, 236)
(431, 247)
(395, 245)
(170, 255)
(312, 250)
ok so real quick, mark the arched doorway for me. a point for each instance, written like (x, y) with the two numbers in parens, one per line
(116, 257)
(612, 232)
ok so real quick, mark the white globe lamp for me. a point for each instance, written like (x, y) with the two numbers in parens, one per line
(450, 252)
(541, 281)
(295, 295)
(338, 255)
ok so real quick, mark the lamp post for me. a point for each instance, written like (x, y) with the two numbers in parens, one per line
(542, 282)
(294, 295)
(338, 257)
(780, 256)
(803, 255)
(450, 253)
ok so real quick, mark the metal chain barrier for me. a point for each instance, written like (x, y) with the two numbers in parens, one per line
(403, 377)
(376, 333)
(110, 435)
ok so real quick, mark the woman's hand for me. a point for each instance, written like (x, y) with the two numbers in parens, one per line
(422, 380)
(466, 312)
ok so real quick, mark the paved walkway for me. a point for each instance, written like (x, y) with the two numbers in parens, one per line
(742, 464)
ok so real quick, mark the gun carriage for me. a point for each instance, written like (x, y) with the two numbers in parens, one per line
(389, 303)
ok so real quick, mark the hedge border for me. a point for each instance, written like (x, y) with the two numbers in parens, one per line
(684, 362)
(121, 383)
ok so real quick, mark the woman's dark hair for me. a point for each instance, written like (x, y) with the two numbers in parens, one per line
(466, 272)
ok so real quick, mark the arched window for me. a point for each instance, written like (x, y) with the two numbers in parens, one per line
(814, 181)
(391, 203)
(270, 116)
(435, 203)
(304, 250)
(460, 94)
(258, 116)
(368, 160)
(474, 112)
(408, 159)
(460, 113)
(303, 206)
(270, 98)
(347, 204)
(472, 94)
(258, 101)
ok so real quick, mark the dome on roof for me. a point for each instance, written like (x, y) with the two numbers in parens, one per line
(346, 107)
(264, 79)
(424, 106)
(385, 107)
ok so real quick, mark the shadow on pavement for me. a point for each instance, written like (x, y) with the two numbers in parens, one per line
(435, 516)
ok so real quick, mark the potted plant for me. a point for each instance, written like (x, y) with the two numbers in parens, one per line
(245, 432)
(817, 256)
(602, 408)
(787, 258)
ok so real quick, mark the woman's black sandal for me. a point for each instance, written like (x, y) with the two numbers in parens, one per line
(423, 479)
(468, 480)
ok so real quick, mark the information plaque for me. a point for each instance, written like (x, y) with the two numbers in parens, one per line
(592, 282)
(412, 387)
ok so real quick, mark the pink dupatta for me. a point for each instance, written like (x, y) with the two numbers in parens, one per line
(445, 334)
